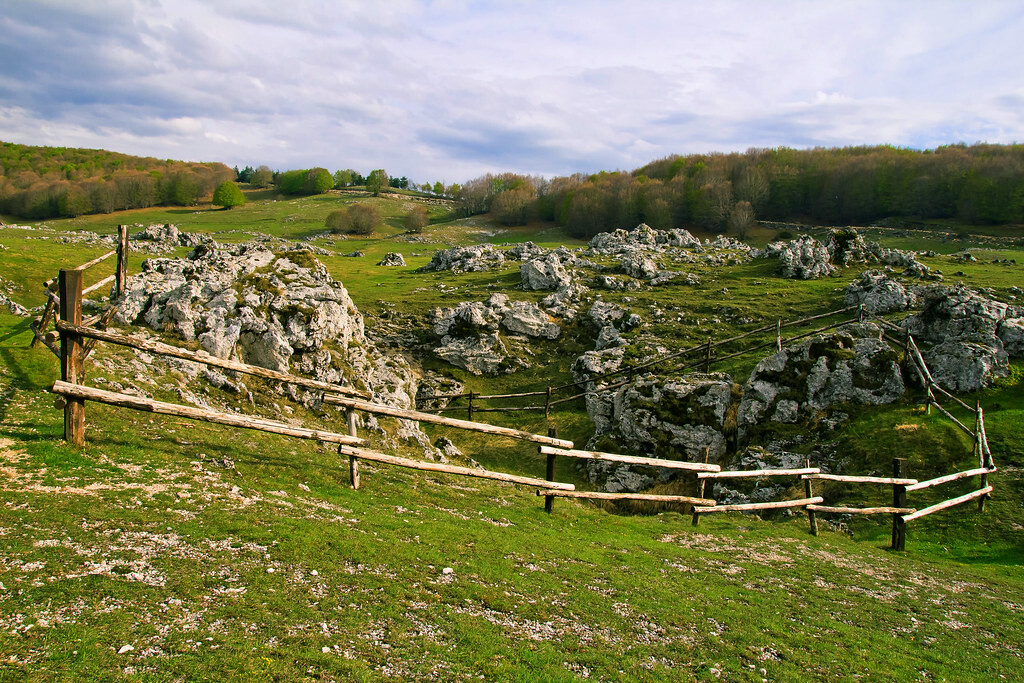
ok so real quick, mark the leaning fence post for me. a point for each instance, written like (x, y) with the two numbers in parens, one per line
(700, 487)
(549, 501)
(809, 492)
(70, 286)
(121, 277)
(900, 470)
(353, 462)
(979, 446)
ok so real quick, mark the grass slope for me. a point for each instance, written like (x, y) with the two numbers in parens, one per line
(224, 555)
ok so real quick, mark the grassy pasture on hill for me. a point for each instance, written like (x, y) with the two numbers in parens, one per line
(228, 555)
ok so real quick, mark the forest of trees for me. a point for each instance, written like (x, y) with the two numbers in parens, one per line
(980, 184)
(48, 182)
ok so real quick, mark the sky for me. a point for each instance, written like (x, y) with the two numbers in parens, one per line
(450, 89)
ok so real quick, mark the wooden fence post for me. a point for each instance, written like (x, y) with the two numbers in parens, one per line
(547, 405)
(41, 328)
(707, 359)
(979, 446)
(549, 501)
(70, 286)
(778, 334)
(471, 406)
(353, 462)
(809, 493)
(700, 488)
(121, 277)
(900, 470)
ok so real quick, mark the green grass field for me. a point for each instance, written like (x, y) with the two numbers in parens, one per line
(167, 550)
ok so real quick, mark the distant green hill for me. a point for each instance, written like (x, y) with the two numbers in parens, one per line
(49, 182)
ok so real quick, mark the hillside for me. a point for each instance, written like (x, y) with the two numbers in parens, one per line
(168, 549)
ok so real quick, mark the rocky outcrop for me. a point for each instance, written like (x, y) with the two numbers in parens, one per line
(265, 309)
(805, 258)
(963, 334)
(525, 251)
(880, 294)
(392, 259)
(166, 237)
(545, 273)
(469, 333)
(476, 258)
(673, 418)
(819, 373)
(643, 238)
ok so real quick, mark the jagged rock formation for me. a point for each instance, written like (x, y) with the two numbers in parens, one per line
(852, 365)
(476, 258)
(392, 259)
(805, 258)
(470, 339)
(279, 311)
(880, 294)
(966, 333)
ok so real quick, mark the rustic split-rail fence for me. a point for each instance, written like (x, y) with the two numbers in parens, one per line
(78, 336)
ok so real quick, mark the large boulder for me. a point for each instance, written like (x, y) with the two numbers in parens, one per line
(879, 293)
(475, 258)
(545, 273)
(277, 310)
(673, 418)
(392, 259)
(819, 373)
(803, 258)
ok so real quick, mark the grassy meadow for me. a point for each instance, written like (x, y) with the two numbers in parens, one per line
(167, 550)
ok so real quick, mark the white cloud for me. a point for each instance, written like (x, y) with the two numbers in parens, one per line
(447, 90)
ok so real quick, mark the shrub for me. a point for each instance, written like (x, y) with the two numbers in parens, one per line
(363, 218)
(357, 219)
(337, 221)
(417, 219)
(228, 195)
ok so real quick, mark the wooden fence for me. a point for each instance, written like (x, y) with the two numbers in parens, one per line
(72, 352)
(701, 356)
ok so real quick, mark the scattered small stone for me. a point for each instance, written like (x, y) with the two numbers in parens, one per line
(125, 649)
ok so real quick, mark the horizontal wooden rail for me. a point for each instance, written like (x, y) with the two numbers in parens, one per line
(947, 504)
(966, 430)
(244, 421)
(601, 495)
(950, 477)
(378, 409)
(741, 474)
(856, 479)
(748, 507)
(631, 459)
(514, 409)
(201, 357)
(52, 282)
(363, 454)
(92, 288)
(860, 511)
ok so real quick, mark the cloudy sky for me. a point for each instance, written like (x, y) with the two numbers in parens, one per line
(449, 89)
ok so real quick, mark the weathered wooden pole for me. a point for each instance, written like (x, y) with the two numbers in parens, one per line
(900, 470)
(547, 405)
(707, 359)
(549, 501)
(979, 446)
(471, 406)
(809, 493)
(353, 461)
(700, 487)
(121, 278)
(69, 284)
(778, 334)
